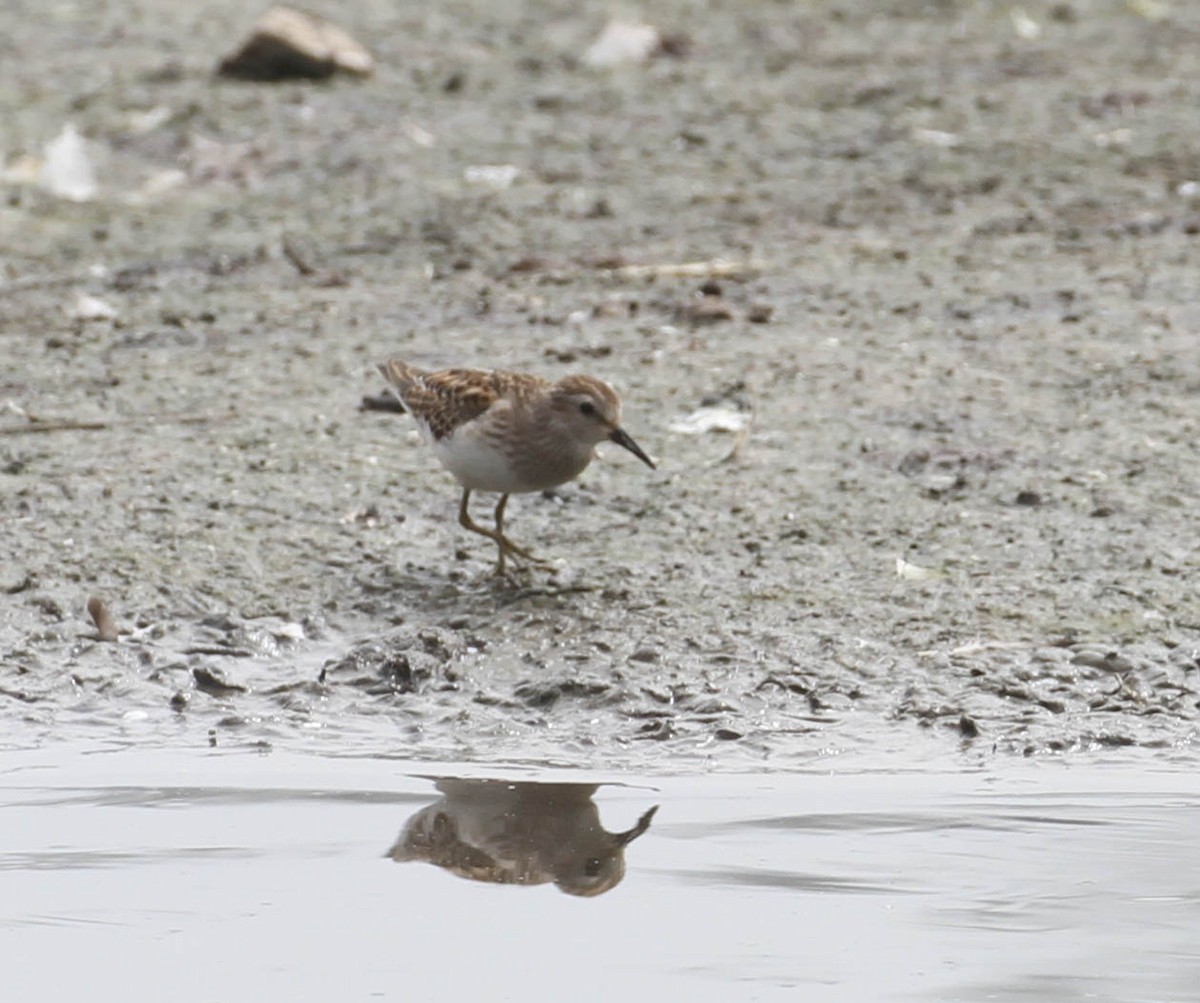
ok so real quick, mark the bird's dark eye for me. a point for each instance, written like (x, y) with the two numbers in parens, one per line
(592, 867)
(588, 408)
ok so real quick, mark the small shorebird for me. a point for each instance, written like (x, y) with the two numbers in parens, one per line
(509, 432)
(520, 833)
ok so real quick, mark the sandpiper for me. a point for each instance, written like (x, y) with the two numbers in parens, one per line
(508, 432)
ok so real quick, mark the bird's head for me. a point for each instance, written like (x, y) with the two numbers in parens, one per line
(591, 409)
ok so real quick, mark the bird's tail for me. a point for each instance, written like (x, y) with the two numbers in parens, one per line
(401, 377)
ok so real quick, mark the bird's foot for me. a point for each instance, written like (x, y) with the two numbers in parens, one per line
(510, 549)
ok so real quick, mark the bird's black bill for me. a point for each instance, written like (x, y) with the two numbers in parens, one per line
(623, 438)
(643, 823)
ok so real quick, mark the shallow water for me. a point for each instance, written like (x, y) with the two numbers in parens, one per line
(238, 876)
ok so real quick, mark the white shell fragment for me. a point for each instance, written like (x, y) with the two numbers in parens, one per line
(936, 137)
(1024, 26)
(67, 171)
(88, 307)
(494, 176)
(622, 42)
(718, 418)
(141, 122)
(915, 573)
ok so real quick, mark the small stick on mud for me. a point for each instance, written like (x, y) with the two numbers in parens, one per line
(106, 626)
(301, 256)
(298, 255)
(100, 425)
(41, 282)
(54, 426)
(716, 268)
(978, 648)
(381, 402)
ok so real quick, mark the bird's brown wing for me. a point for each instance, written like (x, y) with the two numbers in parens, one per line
(451, 397)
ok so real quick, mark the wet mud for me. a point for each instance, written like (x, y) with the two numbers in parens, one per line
(901, 297)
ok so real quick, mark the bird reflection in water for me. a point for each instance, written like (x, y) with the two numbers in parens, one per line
(519, 834)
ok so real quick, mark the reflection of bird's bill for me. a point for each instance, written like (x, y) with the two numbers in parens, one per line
(643, 823)
(623, 438)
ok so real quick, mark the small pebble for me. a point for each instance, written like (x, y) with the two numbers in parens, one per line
(106, 626)
(287, 43)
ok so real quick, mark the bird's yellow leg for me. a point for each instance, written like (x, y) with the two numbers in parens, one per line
(508, 545)
(504, 545)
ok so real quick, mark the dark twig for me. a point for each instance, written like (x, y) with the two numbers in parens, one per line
(98, 425)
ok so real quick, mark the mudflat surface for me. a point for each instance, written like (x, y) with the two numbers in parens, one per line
(952, 306)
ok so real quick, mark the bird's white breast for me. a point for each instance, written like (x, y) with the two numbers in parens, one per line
(476, 464)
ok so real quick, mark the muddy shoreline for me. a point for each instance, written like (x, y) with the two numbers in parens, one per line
(951, 301)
